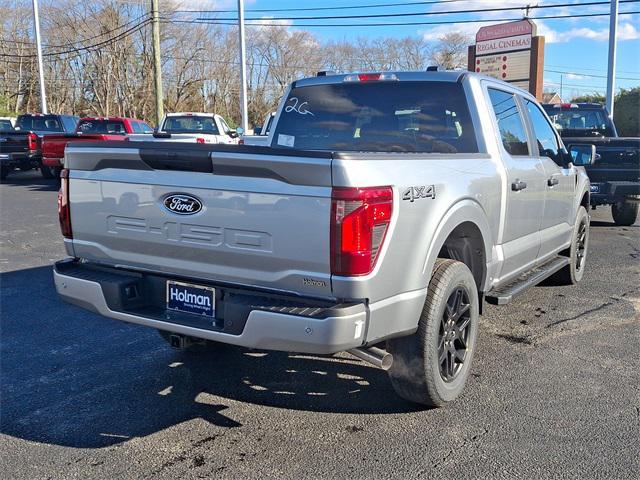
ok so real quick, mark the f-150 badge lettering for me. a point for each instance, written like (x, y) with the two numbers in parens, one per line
(421, 191)
(182, 204)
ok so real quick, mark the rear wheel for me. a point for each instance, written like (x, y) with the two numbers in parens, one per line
(47, 172)
(625, 212)
(431, 366)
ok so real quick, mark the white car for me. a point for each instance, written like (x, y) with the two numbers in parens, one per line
(192, 127)
(261, 136)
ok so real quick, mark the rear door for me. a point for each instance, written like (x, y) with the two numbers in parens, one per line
(526, 184)
(557, 217)
(228, 216)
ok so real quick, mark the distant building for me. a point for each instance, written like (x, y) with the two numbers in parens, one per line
(551, 97)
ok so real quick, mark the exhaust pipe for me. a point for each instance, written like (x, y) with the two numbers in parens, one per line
(373, 355)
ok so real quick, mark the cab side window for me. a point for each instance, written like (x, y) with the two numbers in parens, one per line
(545, 136)
(510, 124)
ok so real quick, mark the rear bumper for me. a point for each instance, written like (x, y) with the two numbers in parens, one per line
(604, 193)
(248, 319)
(16, 159)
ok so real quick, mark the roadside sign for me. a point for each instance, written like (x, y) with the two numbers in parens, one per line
(511, 52)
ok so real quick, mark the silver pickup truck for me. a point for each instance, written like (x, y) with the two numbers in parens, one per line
(386, 210)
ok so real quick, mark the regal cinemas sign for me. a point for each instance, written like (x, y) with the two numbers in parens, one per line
(507, 37)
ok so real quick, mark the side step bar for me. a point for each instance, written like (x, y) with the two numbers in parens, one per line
(504, 294)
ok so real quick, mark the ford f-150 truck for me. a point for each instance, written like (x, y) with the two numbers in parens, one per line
(90, 129)
(387, 209)
(193, 127)
(615, 175)
(22, 147)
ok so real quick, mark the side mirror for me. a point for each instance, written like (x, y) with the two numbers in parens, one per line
(582, 154)
(233, 134)
(240, 131)
(155, 130)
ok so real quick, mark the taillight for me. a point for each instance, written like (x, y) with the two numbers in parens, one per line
(32, 142)
(199, 140)
(64, 210)
(360, 218)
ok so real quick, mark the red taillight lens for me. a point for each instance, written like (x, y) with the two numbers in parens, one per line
(64, 210)
(32, 142)
(360, 218)
(199, 140)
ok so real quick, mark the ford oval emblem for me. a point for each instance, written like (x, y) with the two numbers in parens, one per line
(182, 204)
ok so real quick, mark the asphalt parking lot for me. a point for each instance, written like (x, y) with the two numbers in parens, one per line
(554, 391)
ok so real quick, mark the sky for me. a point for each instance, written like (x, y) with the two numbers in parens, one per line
(578, 47)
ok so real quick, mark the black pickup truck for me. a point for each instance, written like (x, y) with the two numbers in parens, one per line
(615, 176)
(22, 147)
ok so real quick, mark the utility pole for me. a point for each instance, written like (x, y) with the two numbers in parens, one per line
(611, 72)
(157, 64)
(36, 22)
(243, 70)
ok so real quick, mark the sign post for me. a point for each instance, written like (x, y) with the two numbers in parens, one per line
(511, 52)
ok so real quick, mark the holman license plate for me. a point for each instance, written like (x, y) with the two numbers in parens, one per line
(189, 298)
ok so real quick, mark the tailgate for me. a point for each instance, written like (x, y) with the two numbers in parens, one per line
(241, 215)
(619, 160)
(14, 142)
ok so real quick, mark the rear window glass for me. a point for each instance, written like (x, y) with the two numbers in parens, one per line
(579, 119)
(190, 124)
(430, 117)
(102, 126)
(40, 123)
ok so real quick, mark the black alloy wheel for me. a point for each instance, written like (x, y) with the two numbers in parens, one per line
(454, 334)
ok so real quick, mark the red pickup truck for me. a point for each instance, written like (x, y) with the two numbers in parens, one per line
(90, 129)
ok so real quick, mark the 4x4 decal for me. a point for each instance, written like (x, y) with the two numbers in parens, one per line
(421, 191)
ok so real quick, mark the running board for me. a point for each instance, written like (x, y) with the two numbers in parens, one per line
(506, 293)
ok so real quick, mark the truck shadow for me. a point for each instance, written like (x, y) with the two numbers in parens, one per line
(72, 378)
(32, 180)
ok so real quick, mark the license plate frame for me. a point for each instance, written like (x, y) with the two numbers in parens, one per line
(191, 298)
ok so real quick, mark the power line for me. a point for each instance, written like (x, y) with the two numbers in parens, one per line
(397, 24)
(68, 44)
(120, 36)
(416, 14)
(591, 69)
(339, 7)
(588, 75)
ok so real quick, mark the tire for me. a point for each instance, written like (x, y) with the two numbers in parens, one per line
(4, 172)
(47, 172)
(424, 370)
(625, 212)
(573, 273)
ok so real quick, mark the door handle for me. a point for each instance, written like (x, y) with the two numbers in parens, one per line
(553, 181)
(518, 185)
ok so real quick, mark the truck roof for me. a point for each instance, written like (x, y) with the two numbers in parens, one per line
(189, 114)
(110, 119)
(407, 76)
(581, 106)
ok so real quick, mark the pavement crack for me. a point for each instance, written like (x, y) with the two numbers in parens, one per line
(582, 314)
